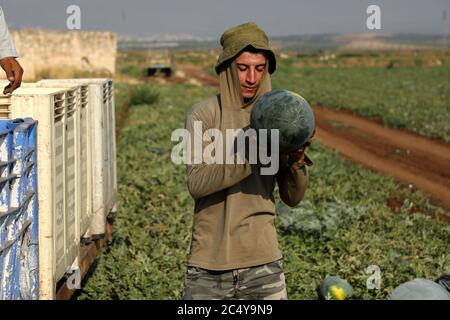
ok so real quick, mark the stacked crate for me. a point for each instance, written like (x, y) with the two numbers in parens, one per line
(101, 147)
(85, 151)
(83, 127)
(56, 111)
(76, 152)
(18, 210)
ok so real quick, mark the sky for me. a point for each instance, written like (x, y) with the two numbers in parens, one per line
(209, 18)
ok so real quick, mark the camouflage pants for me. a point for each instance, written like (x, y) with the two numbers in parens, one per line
(265, 282)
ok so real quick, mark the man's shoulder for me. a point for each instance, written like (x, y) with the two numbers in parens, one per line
(204, 108)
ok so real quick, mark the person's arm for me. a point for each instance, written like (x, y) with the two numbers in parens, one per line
(7, 48)
(204, 179)
(292, 179)
(8, 55)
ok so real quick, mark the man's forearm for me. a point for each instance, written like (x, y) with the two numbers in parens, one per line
(292, 182)
(206, 179)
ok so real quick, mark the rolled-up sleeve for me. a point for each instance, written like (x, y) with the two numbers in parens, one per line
(7, 48)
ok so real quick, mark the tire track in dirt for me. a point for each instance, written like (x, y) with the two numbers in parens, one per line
(407, 157)
(202, 76)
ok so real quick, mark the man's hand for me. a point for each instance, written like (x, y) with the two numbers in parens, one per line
(298, 156)
(13, 72)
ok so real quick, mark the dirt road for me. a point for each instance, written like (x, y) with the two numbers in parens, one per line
(409, 158)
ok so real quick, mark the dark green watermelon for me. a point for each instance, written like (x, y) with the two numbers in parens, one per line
(335, 288)
(289, 113)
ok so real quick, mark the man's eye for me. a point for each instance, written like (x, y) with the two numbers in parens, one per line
(242, 68)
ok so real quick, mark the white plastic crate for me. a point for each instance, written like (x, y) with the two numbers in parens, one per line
(56, 111)
(101, 111)
(85, 151)
(83, 185)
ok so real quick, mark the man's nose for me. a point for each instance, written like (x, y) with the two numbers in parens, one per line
(251, 76)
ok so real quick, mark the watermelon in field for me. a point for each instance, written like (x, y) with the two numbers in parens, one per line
(289, 113)
(335, 288)
(419, 289)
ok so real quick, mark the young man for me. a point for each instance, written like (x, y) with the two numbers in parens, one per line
(8, 57)
(234, 252)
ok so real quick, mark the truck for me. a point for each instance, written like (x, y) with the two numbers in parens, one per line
(159, 63)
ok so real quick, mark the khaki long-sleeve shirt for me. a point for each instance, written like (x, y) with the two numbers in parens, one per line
(234, 211)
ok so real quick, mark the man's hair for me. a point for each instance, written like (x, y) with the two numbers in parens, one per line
(252, 49)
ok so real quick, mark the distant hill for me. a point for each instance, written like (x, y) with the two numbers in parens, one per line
(305, 43)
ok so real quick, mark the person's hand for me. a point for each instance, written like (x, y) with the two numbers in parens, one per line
(298, 156)
(13, 72)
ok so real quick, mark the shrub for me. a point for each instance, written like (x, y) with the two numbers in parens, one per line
(144, 94)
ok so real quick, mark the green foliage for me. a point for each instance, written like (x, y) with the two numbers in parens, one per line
(144, 94)
(122, 99)
(317, 220)
(416, 98)
(348, 226)
(132, 71)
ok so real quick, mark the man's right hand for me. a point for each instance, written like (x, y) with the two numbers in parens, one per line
(13, 72)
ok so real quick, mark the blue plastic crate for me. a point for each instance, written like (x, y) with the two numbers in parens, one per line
(18, 210)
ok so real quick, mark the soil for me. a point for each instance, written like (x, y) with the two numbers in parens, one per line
(419, 162)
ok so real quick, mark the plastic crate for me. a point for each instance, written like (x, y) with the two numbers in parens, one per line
(57, 112)
(18, 210)
(85, 151)
(84, 164)
(101, 113)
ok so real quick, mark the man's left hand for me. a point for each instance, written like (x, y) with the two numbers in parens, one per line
(13, 72)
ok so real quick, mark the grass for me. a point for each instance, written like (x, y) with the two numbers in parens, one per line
(348, 225)
(417, 98)
(407, 90)
(351, 227)
(143, 94)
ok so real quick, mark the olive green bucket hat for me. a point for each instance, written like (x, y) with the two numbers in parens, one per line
(236, 39)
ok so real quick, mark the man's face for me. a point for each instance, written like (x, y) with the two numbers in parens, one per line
(250, 68)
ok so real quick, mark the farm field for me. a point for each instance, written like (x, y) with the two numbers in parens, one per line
(407, 90)
(350, 218)
(413, 98)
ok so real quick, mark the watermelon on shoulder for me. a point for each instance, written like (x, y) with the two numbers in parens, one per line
(288, 112)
